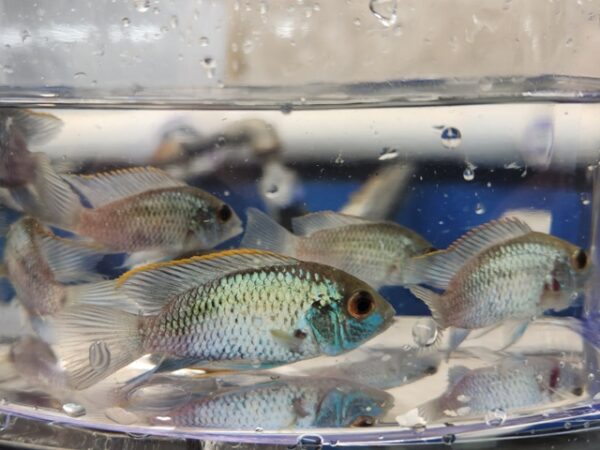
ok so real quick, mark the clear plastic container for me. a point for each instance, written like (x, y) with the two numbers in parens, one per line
(437, 117)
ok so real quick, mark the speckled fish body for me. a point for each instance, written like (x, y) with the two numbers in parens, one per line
(143, 209)
(247, 308)
(485, 283)
(285, 404)
(375, 252)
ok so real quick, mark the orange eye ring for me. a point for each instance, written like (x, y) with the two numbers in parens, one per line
(579, 259)
(360, 304)
(363, 421)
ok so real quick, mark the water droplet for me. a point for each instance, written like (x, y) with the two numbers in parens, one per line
(385, 11)
(388, 153)
(469, 173)
(210, 67)
(99, 356)
(339, 159)
(80, 75)
(310, 441)
(125, 22)
(25, 36)
(449, 439)
(451, 137)
(7, 70)
(156, 10)
(591, 377)
(357, 22)
(204, 41)
(142, 5)
(479, 208)
(174, 22)
(585, 198)
(73, 409)
(424, 332)
(247, 46)
(495, 417)
(119, 415)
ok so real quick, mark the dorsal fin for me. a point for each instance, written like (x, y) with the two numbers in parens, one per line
(437, 268)
(310, 223)
(107, 187)
(456, 373)
(37, 127)
(153, 285)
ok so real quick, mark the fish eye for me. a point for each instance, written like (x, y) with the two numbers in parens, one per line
(579, 259)
(224, 213)
(578, 391)
(360, 304)
(363, 421)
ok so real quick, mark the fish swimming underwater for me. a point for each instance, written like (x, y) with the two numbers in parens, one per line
(285, 403)
(511, 385)
(144, 209)
(41, 266)
(247, 308)
(375, 252)
(500, 271)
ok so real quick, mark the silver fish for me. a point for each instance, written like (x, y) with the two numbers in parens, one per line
(375, 252)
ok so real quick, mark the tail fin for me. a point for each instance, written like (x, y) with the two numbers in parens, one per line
(49, 197)
(264, 233)
(101, 294)
(432, 300)
(94, 342)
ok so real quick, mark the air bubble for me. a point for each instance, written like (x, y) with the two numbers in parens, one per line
(479, 209)
(125, 22)
(469, 173)
(451, 137)
(80, 75)
(310, 441)
(73, 409)
(591, 377)
(174, 22)
(495, 417)
(385, 11)
(388, 153)
(7, 70)
(141, 5)
(259, 429)
(204, 41)
(424, 332)
(247, 46)
(357, 22)
(25, 36)
(449, 439)
(286, 108)
(585, 198)
(272, 190)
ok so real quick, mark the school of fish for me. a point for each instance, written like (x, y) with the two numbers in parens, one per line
(281, 297)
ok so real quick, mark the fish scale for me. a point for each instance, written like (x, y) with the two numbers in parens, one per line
(234, 303)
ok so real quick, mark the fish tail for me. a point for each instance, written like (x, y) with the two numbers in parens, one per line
(100, 294)
(432, 300)
(430, 411)
(48, 197)
(93, 342)
(264, 233)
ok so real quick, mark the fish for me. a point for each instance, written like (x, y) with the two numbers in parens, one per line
(42, 266)
(513, 384)
(499, 272)
(239, 308)
(375, 252)
(145, 210)
(20, 128)
(284, 403)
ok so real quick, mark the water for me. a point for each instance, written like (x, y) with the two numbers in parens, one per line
(456, 167)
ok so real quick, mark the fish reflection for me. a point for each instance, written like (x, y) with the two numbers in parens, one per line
(511, 385)
(281, 404)
(384, 369)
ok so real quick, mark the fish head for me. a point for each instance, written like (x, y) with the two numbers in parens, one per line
(570, 272)
(213, 222)
(356, 314)
(349, 404)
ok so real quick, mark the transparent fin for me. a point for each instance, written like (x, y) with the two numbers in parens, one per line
(264, 233)
(432, 300)
(37, 127)
(310, 223)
